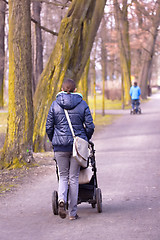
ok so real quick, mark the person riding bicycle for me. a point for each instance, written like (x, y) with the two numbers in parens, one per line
(135, 93)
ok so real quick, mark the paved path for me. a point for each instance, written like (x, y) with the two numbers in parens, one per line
(128, 162)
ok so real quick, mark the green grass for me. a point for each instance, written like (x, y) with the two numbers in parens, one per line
(109, 104)
(104, 120)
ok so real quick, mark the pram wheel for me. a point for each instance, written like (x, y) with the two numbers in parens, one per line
(99, 200)
(134, 111)
(131, 111)
(55, 202)
(93, 205)
(139, 111)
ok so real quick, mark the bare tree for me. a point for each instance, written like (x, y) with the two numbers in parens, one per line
(149, 46)
(122, 24)
(68, 59)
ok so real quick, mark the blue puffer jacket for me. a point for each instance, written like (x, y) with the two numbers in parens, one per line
(57, 127)
(135, 92)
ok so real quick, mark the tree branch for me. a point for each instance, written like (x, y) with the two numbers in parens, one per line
(44, 28)
(33, 20)
(55, 3)
(142, 10)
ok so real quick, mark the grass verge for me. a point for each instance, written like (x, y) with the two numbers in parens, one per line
(109, 104)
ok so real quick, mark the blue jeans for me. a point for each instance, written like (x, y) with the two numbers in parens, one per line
(135, 104)
(68, 177)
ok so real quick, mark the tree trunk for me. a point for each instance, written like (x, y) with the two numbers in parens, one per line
(83, 83)
(144, 76)
(124, 46)
(147, 55)
(94, 88)
(68, 59)
(37, 46)
(17, 149)
(2, 52)
(138, 57)
(103, 63)
(122, 94)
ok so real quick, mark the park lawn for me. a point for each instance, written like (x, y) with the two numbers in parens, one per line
(109, 104)
(104, 120)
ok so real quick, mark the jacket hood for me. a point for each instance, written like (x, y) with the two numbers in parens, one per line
(68, 101)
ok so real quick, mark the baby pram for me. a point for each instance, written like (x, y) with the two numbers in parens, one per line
(135, 107)
(88, 192)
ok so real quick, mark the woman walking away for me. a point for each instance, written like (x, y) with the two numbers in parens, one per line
(59, 133)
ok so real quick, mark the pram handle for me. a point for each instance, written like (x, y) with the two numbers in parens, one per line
(91, 143)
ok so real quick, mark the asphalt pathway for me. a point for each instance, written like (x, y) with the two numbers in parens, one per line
(128, 164)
